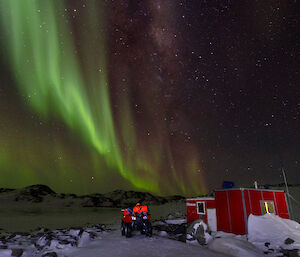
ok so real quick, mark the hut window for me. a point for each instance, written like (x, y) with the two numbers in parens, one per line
(267, 207)
(201, 207)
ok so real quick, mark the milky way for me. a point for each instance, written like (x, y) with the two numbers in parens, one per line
(170, 97)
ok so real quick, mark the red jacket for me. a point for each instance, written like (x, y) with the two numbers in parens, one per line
(127, 216)
(141, 209)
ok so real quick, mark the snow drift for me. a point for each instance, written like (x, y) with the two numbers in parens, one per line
(273, 232)
(235, 247)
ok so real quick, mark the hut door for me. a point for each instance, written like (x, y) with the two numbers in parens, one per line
(212, 219)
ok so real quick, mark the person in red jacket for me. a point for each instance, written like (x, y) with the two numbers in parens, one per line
(138, 209)
(127, 215)
(126, 224)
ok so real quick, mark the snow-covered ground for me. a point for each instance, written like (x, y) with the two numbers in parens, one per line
(94, 241)
(235, 247)
(268, 235)
(272, 232)
(112, 244)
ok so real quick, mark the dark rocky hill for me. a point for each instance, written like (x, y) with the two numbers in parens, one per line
(34, 193)
(117, 198)
(4, 190)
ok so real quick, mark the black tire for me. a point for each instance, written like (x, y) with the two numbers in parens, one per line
(127, 229)
(123, 229)
(149, 229)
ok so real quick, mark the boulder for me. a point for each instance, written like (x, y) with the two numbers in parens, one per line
(34, 193)
(200, 234)
(190, 228)
(290, 253)
(198, 230)
(16, 252)
(50, 254)
(289, 241)
(4, 190)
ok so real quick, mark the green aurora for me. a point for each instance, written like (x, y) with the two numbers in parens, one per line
(67, 83)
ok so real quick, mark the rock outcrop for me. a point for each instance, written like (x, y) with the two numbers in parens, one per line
(117, 198)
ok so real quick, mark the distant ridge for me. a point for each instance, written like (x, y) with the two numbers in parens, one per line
(118, 198)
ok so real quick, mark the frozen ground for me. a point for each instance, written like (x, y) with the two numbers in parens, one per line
(112, 244)
(105, 244)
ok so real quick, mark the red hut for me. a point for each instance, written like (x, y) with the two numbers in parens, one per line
(233, 207)
(202, 208)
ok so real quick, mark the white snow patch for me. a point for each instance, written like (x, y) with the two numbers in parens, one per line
(222, 234)
(159, 223)
(163, 233)
(74, 232)
(113, 244)
(5, 252)
(235, 247)
(177, 222)
(272, 229)
(55, 245)
(42, 241)
(84, 239)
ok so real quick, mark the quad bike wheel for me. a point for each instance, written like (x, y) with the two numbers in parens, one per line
(127, 229)
(148, 231)
(123, 229)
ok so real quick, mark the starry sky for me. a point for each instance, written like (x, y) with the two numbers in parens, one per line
(166, 96)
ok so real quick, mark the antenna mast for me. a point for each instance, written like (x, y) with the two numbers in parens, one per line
(288, 194)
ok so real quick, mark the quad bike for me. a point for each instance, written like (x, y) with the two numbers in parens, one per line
(136, 221)
(141, 222)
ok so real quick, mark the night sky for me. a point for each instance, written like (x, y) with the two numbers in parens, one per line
(167, 96)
